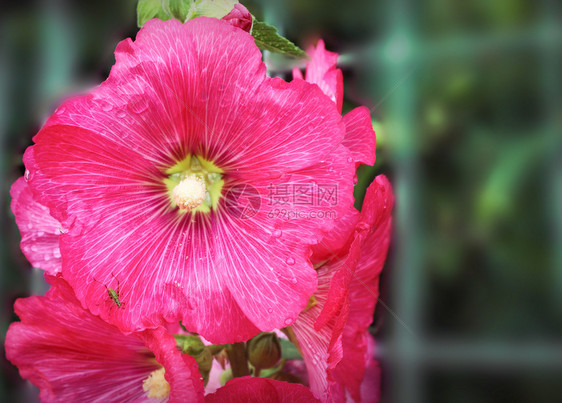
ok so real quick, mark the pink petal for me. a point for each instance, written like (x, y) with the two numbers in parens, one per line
(371, 385)
(72, 355)
(315, 344)
(322, 71)
(360, 137)
(257, 390)
(39, 231)
(338, 240)
(368, 250)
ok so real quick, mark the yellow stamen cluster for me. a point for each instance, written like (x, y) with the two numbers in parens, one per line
(189, 193)
(156, 385)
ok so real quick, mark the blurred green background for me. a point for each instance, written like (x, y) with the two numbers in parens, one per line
(467, 103)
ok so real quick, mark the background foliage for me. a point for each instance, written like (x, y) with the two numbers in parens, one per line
(467, 102)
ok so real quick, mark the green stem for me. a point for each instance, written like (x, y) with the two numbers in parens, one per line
(238, 360)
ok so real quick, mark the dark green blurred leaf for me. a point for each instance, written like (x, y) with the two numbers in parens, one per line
(289, 351)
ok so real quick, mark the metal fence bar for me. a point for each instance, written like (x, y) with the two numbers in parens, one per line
(399, 104)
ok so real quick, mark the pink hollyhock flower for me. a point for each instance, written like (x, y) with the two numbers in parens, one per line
(256, 390)
(333, 331)
(39, 231)
(74, 356)
(163, 176)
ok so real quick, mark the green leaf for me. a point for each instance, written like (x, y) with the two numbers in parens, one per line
(182, 10)
(165, 10)
(268, 38)
(214, 8)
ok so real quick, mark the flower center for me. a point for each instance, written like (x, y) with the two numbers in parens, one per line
(156, 385)
(189, 193)
(194, 185)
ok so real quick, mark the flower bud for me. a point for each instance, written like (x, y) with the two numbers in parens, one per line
(240, 17)
(264, 350)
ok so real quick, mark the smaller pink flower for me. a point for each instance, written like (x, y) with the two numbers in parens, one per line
(332, 333)
(74, 356)
(256, 390)
(39, 231)
(240, 17)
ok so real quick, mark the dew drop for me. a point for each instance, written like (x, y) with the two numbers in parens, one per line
(349, 159)
(294, 280)
(277, 233)
(40, 233)
(121, 114)
(62, 230)
(26, 175)
(270, 310)
(60, 110)
(56, 253)
(288, 321)
(138, 104)
(290, 261)
(106, 106)
(355, 180)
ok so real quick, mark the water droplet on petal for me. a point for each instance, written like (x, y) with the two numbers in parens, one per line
(270, 310)
(294, 280)
(56, 253)
(349, 159)
(355, 180)
(138, 104)
(288, 321)
(277, 233)
(26, 175)
(290, 261)
(121, 114)
(106, 106)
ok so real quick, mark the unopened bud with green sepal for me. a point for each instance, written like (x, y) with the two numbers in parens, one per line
(264, 351)
(192, 345)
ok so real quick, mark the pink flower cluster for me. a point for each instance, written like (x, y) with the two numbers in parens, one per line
(151, 200)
